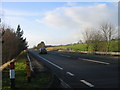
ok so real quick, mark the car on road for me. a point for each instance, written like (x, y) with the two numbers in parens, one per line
(42, 51)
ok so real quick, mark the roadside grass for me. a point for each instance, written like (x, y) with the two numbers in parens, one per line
(40, 80)
(114, 47)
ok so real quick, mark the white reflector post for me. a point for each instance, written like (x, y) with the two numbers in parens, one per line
(12, 74)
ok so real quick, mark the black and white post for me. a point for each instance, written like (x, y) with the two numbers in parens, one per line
(12, 75)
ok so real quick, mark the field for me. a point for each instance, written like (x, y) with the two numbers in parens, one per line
(114, 47)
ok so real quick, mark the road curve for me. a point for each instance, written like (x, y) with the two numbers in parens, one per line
(81, 71)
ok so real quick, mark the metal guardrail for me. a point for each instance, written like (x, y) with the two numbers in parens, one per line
(30, 63)
(93, 52)
(6, 64)
(2, 67)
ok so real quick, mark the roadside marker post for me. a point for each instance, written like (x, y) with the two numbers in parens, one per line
(28, 71)
(12, 75)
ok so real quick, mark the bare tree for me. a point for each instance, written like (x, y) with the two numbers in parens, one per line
(108, 33)
(87, 35)
(92, 37)
(96, 39)
(80, 42)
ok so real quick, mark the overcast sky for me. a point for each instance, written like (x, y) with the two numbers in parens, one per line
(57, 23)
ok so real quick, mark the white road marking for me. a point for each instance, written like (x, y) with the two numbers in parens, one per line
(87, 83)
(65, 55)
(64, 84)
(94, 61)
(70, 73)
(51, 63)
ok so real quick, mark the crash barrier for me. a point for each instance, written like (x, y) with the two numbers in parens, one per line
(29, 68)
(103, 53)
(93, 52)
(6, 64)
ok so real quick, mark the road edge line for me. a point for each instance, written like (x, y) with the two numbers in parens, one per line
(52, 63)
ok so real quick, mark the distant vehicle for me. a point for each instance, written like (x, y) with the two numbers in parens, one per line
(42, 51)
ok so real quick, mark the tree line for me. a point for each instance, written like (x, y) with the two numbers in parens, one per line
(39, 45)
(100, 38)
(12, 42)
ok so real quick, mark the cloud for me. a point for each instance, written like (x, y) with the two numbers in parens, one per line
(57, 19)
(101, 5)
(69, 17)
(77, 18)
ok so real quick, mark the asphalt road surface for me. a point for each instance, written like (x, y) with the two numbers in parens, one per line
(81, 71)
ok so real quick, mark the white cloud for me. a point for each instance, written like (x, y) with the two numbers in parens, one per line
(101, 5)
(77, 18)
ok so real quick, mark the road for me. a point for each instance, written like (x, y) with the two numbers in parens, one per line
(81, 71)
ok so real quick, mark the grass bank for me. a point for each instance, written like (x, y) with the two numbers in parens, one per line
(114, 47)
(39, 80)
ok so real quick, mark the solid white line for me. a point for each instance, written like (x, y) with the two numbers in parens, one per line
(65, 55)
(70, 73)
(64, 84)
(51, 63)
(94, 61)
(87, 83)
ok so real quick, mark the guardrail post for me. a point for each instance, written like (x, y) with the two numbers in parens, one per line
(12, 75)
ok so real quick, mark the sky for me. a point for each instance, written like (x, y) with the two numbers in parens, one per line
(57, 23)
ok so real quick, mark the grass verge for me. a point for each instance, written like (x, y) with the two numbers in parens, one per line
(40, 80)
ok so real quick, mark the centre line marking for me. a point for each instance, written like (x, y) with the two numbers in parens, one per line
(87, 83)
(51, 63)
(70, 73)
(94, 61)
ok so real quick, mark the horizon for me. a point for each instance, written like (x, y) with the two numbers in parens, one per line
(57, 23)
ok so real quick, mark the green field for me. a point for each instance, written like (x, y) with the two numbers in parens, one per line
(114, 46)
